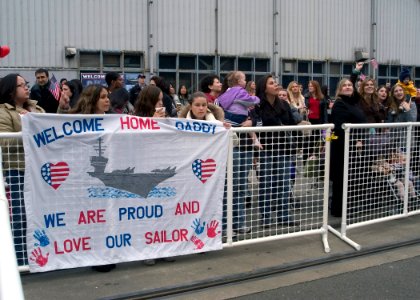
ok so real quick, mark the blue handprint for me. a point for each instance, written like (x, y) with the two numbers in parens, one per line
(42, 238)
(197, 227)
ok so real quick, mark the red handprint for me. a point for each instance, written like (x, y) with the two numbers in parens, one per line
(197, 242)
(211, 229)
(36, 256)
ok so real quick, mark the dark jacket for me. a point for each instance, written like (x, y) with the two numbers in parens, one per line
(44, 97)
(278, 114)
(345, 110)
(134, 93)
(170, 107)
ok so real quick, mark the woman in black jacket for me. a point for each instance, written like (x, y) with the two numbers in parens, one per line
(275, 157)
(346, 109)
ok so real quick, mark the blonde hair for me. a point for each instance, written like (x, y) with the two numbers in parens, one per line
(340, 86)
(298, 101)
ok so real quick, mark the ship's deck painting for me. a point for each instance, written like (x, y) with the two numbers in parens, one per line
(127, 183)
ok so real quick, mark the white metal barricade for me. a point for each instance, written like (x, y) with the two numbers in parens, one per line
(265, 200)
(276, 185)
(10, 283)
(381, 179)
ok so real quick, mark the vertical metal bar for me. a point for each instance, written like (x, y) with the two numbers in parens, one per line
(326, 190)
(275, 42)
(10, 283)
(345, 179)
(229, 189)
(407, 167)
(372, 47)
(149, 38)
(216, 37)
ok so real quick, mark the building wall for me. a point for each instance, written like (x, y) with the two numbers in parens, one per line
(38, 30)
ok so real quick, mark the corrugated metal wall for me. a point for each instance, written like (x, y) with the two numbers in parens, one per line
(184, 26)
(323, 29)
(246, 27)
(398, 32)
(38, 30)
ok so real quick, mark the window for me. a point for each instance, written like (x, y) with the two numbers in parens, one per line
(383, 70)
(333, 84)
(227, 64)
(90, 59)
(187, 79)
(133, 60)
(320, 80)
(318, 67)
(245, 64)
(395, 71)
(417, 77)
(167, 62)
(335, 68)
(304, 81)
(262, 65)
(206, 63)
(102, 61)
(289, 66)
(303, 67)
(286, 79)
(348, 69)
(304, 71)
(187, 62)
(189, 69)
(112, 60)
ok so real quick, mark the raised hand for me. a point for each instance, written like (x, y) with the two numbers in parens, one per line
(359, 65)
(64, 101)
(42, 238)
(211, 230)
(198, 229)
(38, 258)
(197, 242)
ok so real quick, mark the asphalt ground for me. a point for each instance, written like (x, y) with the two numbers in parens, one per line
(230, 270)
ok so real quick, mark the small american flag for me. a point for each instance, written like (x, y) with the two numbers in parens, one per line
(55, 174)
(54, 88)
(204, 169)
(374, 63)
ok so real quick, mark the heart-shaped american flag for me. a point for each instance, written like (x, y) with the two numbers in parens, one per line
(55, 174)
(203, 169)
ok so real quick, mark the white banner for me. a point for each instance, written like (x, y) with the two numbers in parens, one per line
(117, 188)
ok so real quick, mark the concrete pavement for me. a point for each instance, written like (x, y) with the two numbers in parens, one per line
(231, 263)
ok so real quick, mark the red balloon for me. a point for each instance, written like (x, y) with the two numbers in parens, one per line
(4, 50)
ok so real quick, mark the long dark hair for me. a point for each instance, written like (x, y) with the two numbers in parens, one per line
(74, 91)
(146, 101)
(8, 86)
(261, 87)
(161, 83)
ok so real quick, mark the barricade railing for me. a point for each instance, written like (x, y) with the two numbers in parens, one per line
(277, 185)
(381, 179)
(285, 183)
(10, 283)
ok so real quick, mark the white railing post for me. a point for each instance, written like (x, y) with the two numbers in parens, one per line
(229, 189)
(407, 168)
(326, 190)
(345, 179)
(10, 283)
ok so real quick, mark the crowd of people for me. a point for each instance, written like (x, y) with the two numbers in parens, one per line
(236, 103)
